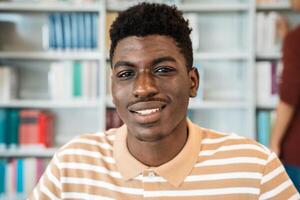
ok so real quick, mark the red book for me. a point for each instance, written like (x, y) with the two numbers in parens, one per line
(36, 128)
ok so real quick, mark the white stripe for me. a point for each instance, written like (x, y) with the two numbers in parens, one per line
(222, 139)
(78, 195)
(56, 161)
(47, 192)
(231, 147)
(52, 178)
(295, 197)
(109, 186)
(275, 191)
(226, 161)
(208, 177)
(202, 192)
(35, 194)
(92, 142)
(83, 152)
(272, 174)
(83, 166)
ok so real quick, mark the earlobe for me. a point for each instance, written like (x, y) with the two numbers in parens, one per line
(194, 77)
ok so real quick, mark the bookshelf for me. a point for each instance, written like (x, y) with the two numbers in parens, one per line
(225, 55)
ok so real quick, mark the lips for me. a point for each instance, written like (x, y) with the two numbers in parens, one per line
(147, 112)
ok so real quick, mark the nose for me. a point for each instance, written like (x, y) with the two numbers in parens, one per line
(144, 86)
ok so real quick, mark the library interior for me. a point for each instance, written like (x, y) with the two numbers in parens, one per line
(55, 79)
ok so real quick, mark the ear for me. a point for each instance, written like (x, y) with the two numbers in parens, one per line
(194, 78)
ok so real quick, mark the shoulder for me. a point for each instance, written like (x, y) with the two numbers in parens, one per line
(91, 144)
(231, 145)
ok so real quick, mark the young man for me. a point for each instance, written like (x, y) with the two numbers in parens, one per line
(158, 153)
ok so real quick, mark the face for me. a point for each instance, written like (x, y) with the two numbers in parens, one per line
(151, 86)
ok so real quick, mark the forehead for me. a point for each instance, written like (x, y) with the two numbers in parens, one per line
(148, 47)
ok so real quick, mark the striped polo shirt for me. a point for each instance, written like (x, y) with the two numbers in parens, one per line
(210, 166)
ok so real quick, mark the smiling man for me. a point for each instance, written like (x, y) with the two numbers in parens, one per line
(159, 153)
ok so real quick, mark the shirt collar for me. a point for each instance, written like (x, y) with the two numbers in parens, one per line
(174, 171)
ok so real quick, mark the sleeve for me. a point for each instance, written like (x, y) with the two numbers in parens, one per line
(290, 81)
(275, 183)
(49, 185)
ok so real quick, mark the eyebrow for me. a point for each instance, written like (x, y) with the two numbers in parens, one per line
(154, 62)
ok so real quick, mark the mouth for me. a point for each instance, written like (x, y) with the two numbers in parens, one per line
(147, 112)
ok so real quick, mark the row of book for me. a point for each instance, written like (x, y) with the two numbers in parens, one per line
(74, 80)
(18, 177)
(265, 120)
(26, 128)
(8, 83)
(71, 31)
(271, 29)
(268, 78)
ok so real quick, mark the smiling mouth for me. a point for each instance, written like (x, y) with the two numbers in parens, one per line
(148, 111)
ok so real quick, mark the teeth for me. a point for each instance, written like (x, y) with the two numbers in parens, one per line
(148, 111)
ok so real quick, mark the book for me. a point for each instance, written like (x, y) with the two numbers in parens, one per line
(95, 31)
(36, 128)
(58, 29)
(74, 31)
(13, 128)
(81, 30)
(77, 79)
(66, 24)
(263, 127)
(3, 127)
(88, 30)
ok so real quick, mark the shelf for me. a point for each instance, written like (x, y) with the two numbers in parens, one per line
(213, 7)
(221, 56)
(52, 55)
(271, 105)
(28, 152)
(189, 7)
(51, 104)
(33, 6)
(202, 104)
(274, 6)
(269, 56)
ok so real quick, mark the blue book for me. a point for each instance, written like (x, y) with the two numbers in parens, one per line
(52, 39)
(74, 31)
(95, 21)
(88, 30)
(58, 31)
(66, 22)
(3, 164)
(20, 176)
(3, 127)
(81, 31)
(263, 127)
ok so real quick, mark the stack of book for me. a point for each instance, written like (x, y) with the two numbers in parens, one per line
(26, 128)
(265, 120)
(8, 83)
(268, 77)
(18, 177)
(74, 80)
(71, 31)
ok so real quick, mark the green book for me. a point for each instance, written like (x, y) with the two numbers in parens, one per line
(13, 127)
(3, 127)
(77, 80)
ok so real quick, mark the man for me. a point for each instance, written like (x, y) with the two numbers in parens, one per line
(158, 153)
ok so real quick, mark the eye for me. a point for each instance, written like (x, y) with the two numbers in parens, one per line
(164, 70)
(125, 74)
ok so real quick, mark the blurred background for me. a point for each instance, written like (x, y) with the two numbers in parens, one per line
(55, 74)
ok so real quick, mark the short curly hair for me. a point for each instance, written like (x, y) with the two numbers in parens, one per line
(151, 18)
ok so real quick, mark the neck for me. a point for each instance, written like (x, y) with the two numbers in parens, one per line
(158, 152)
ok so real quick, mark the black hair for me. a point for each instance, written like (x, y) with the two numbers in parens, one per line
(151, 18)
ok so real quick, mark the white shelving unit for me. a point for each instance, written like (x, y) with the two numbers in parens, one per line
(21, 153)
(238, 15)
(274, 6)
(33, 56)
